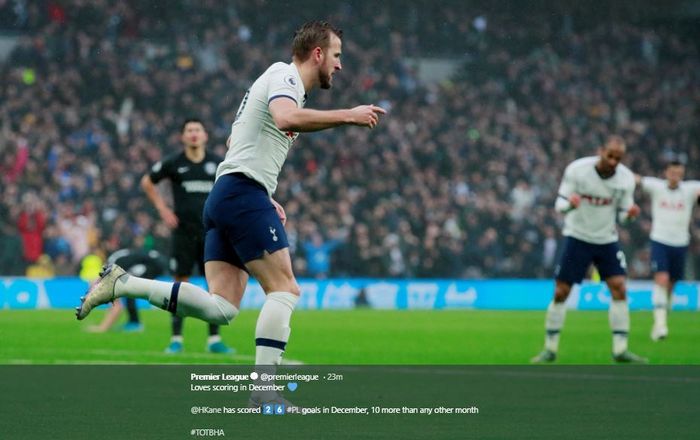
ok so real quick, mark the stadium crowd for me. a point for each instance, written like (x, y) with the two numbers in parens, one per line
(459, 179)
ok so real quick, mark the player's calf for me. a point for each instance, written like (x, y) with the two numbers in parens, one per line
(183, 299)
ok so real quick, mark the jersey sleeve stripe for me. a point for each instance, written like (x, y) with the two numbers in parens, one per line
(281, 96)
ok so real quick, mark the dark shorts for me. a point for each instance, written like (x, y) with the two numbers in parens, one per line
(578, 255)
(143, 269)
(240, 221)
(188, 252)
(671, 259)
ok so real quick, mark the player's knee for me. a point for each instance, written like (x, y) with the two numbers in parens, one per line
(662, 279)
(291, 285)
(561, 292)
(226, 312)
(618, 294)
(617, 289)
(281, 283)
(291, 281)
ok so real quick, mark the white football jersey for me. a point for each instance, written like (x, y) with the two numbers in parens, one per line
(671, 210)
(602, 200)
(257, 148)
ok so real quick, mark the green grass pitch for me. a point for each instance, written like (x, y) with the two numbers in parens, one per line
(346, 337)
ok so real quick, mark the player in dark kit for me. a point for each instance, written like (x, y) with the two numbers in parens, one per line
(191, 173)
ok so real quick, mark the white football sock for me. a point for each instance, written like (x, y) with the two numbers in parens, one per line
(272, 330)
(184, 299)
(554, 321)
(659, 298)
(131, 286)
(619, 315)
(271, 336)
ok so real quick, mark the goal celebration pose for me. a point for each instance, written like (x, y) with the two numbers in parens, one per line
(672, 202)
(244, 226)
(594, 193)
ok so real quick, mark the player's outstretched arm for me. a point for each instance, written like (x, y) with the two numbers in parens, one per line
(289, 117)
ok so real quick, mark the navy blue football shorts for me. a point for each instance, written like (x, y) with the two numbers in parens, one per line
(671, 259)
(578, 255)
(240, 222)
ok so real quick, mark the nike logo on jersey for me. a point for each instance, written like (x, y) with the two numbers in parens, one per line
(183, 169)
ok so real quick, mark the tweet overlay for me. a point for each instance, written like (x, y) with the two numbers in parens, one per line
(213, 401)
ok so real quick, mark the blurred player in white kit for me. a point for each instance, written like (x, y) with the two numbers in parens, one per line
(595, 193)
(672, 201)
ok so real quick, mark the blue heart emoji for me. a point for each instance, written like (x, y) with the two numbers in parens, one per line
(292, 386)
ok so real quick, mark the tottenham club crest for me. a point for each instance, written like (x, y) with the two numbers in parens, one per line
(210, 168)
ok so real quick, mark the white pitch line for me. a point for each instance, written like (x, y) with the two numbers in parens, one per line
(19, 361)
(91, 362)
(157, 354)
(240, 357)
(64, 362)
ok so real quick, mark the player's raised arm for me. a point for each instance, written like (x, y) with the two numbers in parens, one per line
(288, 117)
(652, 185)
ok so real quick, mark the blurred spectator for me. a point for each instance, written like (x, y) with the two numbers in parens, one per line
(318, 255)
(91, 265)
(11, 242)
(523, 199)
(76, 227)
(43, 268)
(549, 250)
(31, 223)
